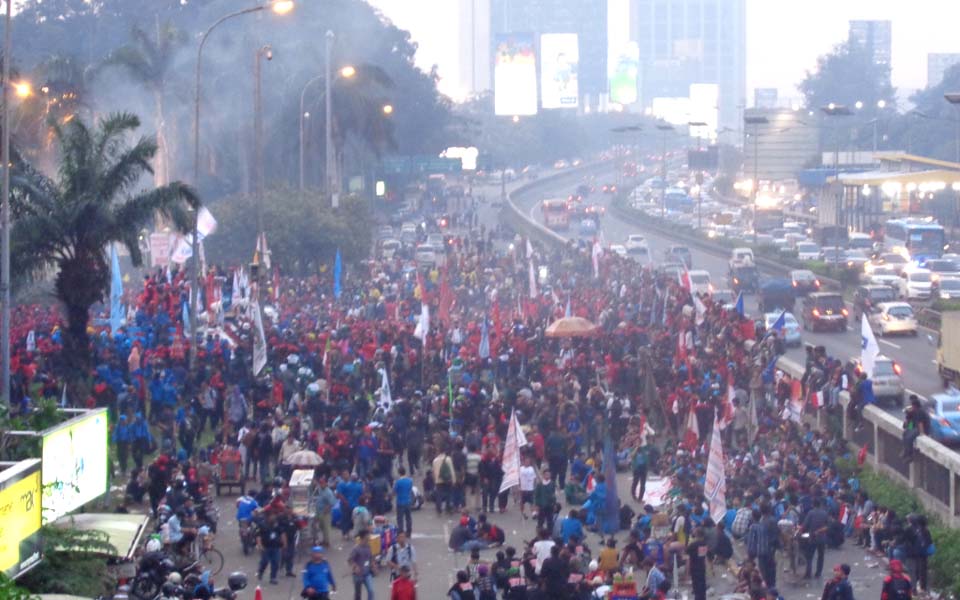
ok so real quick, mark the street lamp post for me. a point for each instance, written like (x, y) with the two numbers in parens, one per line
(624, 129)
(699, 176)
(279, 7)
(664, 127)
(5, 213)
(328, 126)
(954, 99)
(837, 110)
(265, 51)
(346, 73)
(756, 122)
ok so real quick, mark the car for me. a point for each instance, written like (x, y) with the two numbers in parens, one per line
(893, 317)
(776, 295)
(640, 254)
(618, 249)
(384, 232)
(435, 240)
(588, 226)
(859, 241)
(866, 298)
(699, 282)
(824, 310)
(887, 379)
(744, 277)
(635, 240)
(915, 284)
(389, 248)
(609, 188)
(408, 233)
(791, 328)
(948, 289)
(804, 281)
(808, 251)
(741, 255)
(679, 253)
(725, 298)
(942, 269)
(883, 275)
(892, 259)
(944, 411)
(584, 189)
(426, 255)
(833, 255)
(855, 260)
(561, 164)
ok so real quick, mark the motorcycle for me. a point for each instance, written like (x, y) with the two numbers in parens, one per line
(196, 587)
(248, 536)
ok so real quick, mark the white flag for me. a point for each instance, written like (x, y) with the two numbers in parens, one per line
(511, 454)
(596, 253)
(259, 341)
(701, 309)
(206, 224)
(533, 279)
(423, 324)
(715, 488)
(386, 399)
(182, 250)
(869, 347)
(31, 341)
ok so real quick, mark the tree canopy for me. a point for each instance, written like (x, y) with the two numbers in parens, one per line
(846, 76)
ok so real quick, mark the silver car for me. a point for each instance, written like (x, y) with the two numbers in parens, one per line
(887, 380)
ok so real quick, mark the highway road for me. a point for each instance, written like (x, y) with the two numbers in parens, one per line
(915, 354)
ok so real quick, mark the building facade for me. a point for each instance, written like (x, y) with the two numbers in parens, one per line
(782, 146)
(475, 64)
(586, 18)
(686, 42)
(876, 37)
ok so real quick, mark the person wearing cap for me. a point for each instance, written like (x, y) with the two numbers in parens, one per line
(318, 576)
(896, 585)
(838, 588)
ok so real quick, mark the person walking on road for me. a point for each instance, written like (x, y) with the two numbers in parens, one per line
(317, 576)
(325, 501)
(762, 545)
(545, 499)
(896, 585)
(403, 496)
(403, 588)
(402, 556)
(838, 588)
(815, 524)
(443, 475)
(270, 544)
(362, 566)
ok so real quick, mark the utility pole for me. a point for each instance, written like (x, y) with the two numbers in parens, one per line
(328, 150)
(263, 52)
(664, 127)
(756, 121)
(5, 214)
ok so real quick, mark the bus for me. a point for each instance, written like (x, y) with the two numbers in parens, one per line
(768, 219)
(556, 215)
(914, 239)
(677, 200)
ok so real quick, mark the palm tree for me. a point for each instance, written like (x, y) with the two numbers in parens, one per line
(148, 60)
(65, 224)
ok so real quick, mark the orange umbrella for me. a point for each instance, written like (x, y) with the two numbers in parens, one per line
(571, 327)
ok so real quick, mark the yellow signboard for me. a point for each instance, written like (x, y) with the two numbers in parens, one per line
(20, 517)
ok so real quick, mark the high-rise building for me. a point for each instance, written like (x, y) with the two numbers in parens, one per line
(937, 65)
(876, 37)
(687, 42)
(784, 144)
(474, 17)
(586, 18)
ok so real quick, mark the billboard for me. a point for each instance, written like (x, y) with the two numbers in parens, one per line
(624, 69)
(20, 515)
(514, 75)
(559, 61)
(74, 463)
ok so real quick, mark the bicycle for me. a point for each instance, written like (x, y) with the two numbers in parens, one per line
(205, 554)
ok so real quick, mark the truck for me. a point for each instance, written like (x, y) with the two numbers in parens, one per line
(948, 348)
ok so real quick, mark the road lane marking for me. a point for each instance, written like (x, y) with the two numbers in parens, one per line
(891, 344)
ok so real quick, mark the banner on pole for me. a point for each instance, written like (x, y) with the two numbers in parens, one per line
(259, 341)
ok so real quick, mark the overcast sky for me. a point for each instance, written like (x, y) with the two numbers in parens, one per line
(784, 37)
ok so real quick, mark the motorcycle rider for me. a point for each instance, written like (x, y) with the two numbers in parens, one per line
(246, 506)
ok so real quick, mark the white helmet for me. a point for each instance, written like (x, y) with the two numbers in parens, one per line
(154, 545)
(175, 578)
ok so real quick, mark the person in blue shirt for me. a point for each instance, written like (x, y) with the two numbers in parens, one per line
(141, 439)
(403, 496)
(348, 491)
(571, 528)
(318, 576)
(122, 437)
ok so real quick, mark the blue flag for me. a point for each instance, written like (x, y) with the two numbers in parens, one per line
(739, 305)
(611, 510)
(116, 292)
(484, 350)
(779, 324)
(337, 273)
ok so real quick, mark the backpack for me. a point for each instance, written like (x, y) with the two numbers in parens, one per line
(900, 588)
(446, 471)
(639, 460)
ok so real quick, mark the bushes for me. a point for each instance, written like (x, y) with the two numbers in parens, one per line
(945, 564)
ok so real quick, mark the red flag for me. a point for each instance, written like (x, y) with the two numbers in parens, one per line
(862, 456)
(276, 285)
(497, 328)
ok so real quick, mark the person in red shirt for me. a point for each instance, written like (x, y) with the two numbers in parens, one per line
(403, 587)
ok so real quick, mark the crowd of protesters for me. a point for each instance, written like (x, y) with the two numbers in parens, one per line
(406, 404)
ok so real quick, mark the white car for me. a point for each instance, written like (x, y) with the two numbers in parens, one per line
(790, 333)
(884, 275)
(426, 255)
(894, 317)
(699, 282)
(916, 284)
(641, 254)
(808, 251)
(949, 289)
(389, 248)
(635, 240)
(618, 249)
